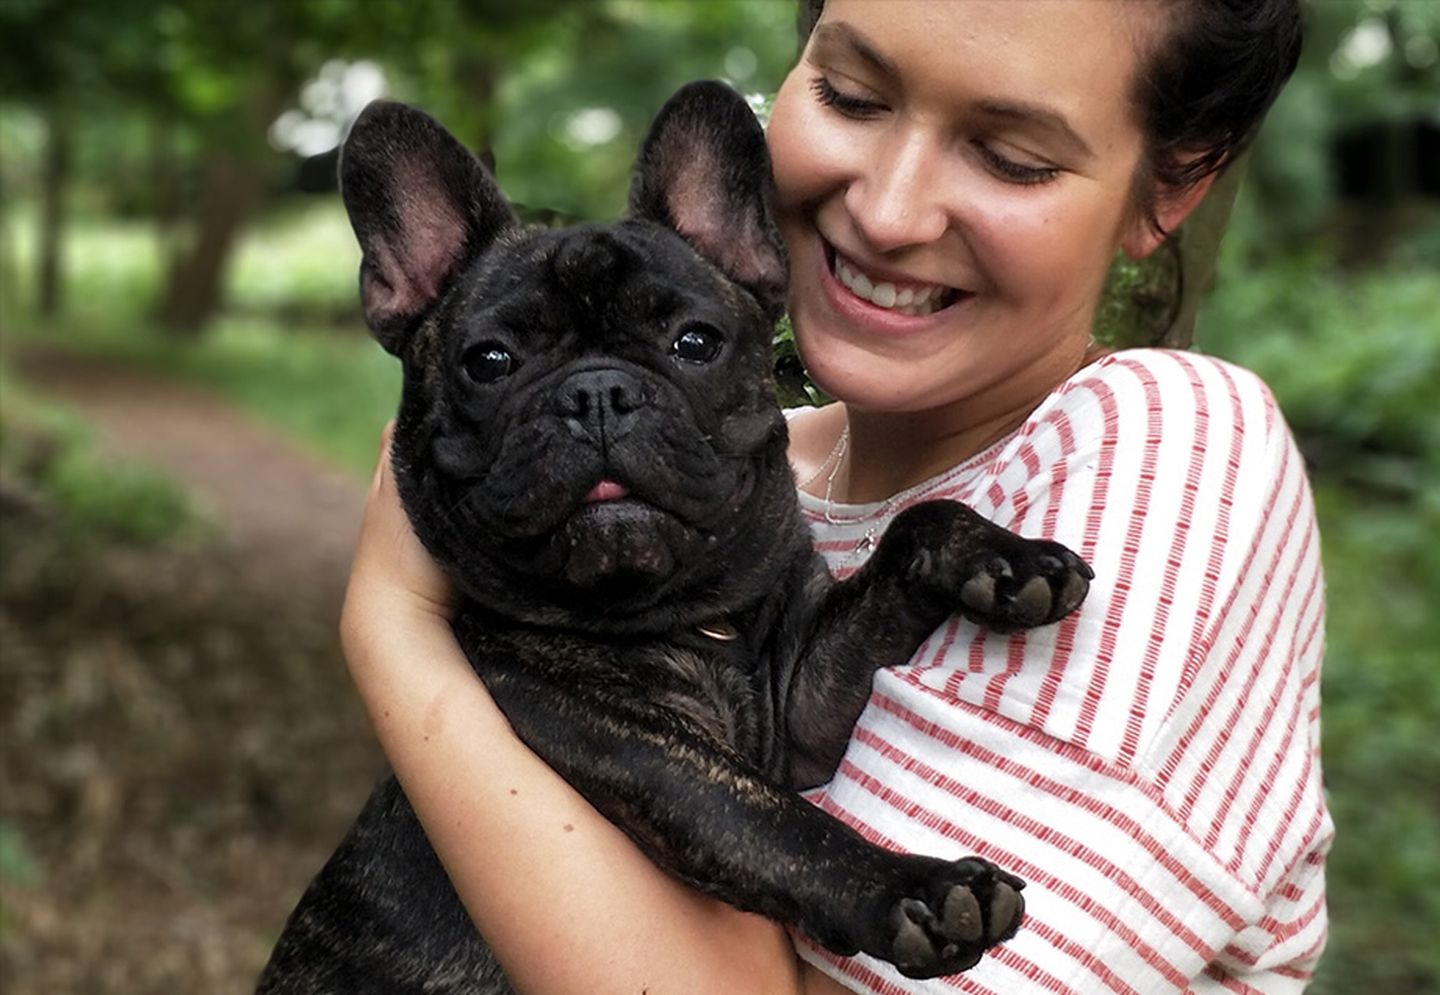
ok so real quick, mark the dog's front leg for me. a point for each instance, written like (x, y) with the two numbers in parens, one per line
(937, 559)
(707, 816)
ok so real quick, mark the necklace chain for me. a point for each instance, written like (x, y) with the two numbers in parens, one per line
(831, 463)
(838, 454)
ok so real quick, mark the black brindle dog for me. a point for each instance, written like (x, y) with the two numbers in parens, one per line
(589, 443)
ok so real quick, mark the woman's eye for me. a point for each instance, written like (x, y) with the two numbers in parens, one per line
(487, 362)
(697, 344)
(845, 103)
(1015, 172)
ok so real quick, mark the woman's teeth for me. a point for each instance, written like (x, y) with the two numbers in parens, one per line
(920, 301)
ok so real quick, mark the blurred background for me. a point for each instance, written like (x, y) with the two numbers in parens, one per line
(190, 406)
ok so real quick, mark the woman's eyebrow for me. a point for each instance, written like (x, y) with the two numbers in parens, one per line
(1044, 117)
(841, 33)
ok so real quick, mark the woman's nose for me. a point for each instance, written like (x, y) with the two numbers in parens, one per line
(896, 201)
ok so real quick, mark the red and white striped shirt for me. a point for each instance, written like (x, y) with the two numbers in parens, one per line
(1150, 765)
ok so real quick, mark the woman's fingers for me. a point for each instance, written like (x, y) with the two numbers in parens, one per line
(392, 571)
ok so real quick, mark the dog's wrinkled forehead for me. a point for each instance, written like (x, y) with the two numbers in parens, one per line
(615, 279)
(587, 262)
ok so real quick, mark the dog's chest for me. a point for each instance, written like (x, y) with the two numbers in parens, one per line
(709, 687)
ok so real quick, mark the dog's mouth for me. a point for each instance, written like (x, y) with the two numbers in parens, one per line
(606, 490)
(622, 543)
(615, 527)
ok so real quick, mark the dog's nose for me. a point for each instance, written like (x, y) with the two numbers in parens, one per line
(602, 402)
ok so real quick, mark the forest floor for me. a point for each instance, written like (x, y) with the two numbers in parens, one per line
(180, 747)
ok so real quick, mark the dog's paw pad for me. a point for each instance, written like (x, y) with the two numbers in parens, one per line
(1031, 604)
(974, 906)
(1007, 909)
(961, 917)
(1036, 583)
(980, 590)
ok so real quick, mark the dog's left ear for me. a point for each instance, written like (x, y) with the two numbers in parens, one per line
(704, 171)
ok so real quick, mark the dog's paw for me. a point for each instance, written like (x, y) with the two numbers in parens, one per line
(944, 925)
(958, 561)
(1034, 582)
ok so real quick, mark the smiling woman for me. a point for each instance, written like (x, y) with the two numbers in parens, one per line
(951, 182)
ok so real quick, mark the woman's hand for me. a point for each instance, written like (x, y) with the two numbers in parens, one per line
(394, 585)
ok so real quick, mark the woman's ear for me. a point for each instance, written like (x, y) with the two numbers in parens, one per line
(1172, 206)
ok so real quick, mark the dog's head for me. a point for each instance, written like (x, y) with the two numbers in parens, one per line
(588, 431)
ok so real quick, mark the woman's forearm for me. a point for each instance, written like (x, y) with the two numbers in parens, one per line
(564, 899)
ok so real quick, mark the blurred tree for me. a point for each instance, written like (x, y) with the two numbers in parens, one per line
(1346, 129)
(57, 55)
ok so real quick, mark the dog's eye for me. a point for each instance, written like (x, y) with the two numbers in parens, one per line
(697, 343)
(487, 362)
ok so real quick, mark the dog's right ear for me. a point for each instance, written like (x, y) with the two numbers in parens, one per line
(422, 207)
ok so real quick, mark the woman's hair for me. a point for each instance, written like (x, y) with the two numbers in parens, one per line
(1203, 87)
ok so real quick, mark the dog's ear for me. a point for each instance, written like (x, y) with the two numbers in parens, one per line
(705, 172)
(422, 207)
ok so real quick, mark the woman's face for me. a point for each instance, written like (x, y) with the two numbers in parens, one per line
(952, 182)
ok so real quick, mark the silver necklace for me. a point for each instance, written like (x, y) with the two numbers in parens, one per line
(866, 542)
(832, 462)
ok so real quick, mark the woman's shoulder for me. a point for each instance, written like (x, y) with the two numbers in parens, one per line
(1164, 381)
(1162, 399)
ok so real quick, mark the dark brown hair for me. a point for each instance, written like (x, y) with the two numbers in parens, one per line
(1203, 87)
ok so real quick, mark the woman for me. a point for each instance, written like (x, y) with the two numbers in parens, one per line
(952, 181)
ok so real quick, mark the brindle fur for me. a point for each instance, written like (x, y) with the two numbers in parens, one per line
(585, 619)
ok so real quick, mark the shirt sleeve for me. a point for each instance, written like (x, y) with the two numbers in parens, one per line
(1150, 765)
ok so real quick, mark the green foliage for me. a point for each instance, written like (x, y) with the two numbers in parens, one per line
(301, 265)
(635, 56)
(17, 863)
(1354, 359)
(50, 450)
(1138, 300)
(1382, 758)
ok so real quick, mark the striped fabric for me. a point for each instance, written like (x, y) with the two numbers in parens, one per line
(1150, 765)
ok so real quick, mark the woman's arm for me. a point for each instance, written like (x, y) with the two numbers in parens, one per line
(564, 899)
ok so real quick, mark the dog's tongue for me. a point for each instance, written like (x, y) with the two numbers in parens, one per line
(606, 490)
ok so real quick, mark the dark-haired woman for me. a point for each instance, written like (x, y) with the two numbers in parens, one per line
(952, 182)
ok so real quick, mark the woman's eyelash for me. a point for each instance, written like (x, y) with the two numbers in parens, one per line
(1014, 171)
(858, 107)
(828, 96)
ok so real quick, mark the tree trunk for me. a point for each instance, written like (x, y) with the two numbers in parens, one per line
(164, 177)
(54, 183)
(1199, 243)
(230, 191)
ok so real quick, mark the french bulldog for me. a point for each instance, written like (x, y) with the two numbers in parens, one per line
(589, 443)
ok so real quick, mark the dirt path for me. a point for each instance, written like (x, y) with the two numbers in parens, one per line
(180, 747)
(286, 514)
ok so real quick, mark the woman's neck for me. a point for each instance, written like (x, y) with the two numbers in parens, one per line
(887, 452)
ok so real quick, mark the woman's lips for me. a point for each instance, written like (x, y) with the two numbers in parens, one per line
(906, 296)
(858, 303)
